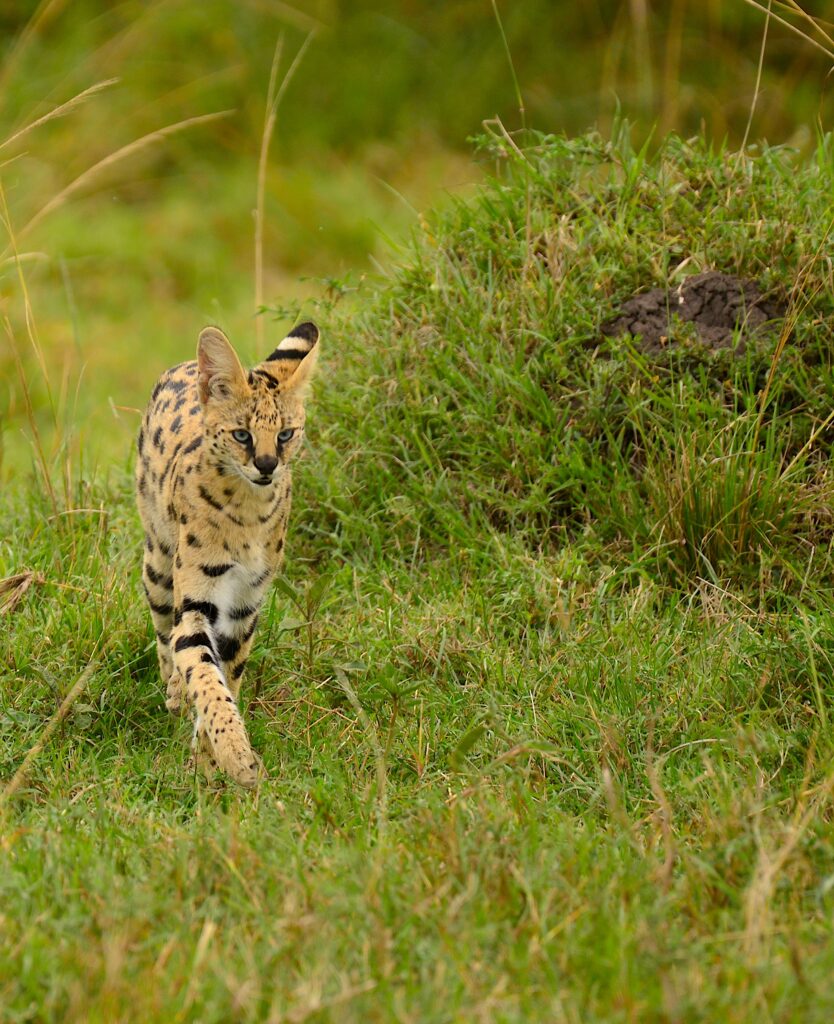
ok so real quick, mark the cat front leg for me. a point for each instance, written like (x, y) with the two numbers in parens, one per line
(219, 733)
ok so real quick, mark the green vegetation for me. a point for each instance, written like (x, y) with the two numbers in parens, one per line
(545, 698)
(372, 129)
(546, 695)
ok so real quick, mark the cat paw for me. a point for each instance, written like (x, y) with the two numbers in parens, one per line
(246, 769)
(175, 699)
(232, 755)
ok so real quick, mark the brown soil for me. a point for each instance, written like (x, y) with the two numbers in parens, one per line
(717, 304)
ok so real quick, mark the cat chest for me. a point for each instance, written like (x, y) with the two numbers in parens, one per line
(234, 588)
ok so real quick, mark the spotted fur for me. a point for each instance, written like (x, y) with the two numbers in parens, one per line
(214, 505)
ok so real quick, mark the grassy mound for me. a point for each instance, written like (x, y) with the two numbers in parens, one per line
(497, 397)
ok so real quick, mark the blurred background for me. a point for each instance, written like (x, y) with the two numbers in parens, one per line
(131, 241)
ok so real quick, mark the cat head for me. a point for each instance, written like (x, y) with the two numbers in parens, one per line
(254, 420)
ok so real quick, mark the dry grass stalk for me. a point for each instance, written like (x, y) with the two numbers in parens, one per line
(13, 589)
(664, 812)
(60, 111)
(757, 87)
(273, 101)
(19, 776)
(376, 746)
(113, 158)
(757, 910)
(827, 50)
(270, 117)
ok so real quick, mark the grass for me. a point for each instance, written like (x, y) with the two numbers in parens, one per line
(545, 696)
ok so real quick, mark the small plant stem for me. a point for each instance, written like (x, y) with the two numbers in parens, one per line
(379, 753)
(60, 111)
(266, 137)
(273, 101)
(828, 51)
(755, 99)
(19, 776)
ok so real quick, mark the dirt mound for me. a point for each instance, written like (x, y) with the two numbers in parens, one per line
(716, 304)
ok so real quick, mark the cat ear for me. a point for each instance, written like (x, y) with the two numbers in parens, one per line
(294, 361)
(220, 372)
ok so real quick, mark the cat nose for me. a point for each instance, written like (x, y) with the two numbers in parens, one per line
(265, 464)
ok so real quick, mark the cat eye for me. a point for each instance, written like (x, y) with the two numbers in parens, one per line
(285, 435)
(243, 436)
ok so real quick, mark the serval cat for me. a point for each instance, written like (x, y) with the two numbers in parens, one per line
(214, 484)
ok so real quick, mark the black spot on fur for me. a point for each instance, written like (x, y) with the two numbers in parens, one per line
(160, 609)
(192, 640)
(216, 570)
(269, 515)
(236, 614)
(267, 378)
(158, 578)
(227, 647)
(204, 494)
(192, 446)
(207, 608)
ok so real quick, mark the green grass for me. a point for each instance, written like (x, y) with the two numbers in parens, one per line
(545, 698)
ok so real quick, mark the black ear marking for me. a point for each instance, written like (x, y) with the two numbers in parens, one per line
(304, 335)
(287, 353)
(308, 331)
(293, 363)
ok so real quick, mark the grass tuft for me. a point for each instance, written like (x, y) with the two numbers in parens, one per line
(501, 402)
